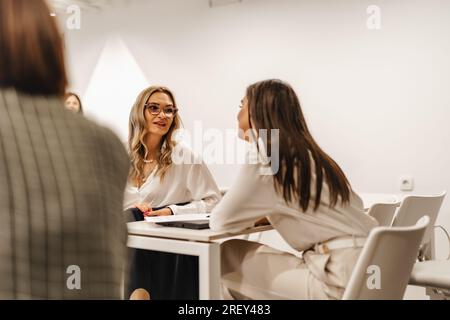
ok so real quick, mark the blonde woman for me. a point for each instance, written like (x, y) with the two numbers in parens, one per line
(157, 186)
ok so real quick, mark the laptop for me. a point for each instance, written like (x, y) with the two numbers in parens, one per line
(187, 224)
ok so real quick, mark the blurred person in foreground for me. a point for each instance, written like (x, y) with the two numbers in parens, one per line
(62, 177)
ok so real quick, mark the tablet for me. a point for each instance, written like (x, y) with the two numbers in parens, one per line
(187, 224)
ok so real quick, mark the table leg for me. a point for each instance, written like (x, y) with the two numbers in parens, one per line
(209, 272)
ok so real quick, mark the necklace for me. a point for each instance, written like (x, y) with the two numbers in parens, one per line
(151, 161)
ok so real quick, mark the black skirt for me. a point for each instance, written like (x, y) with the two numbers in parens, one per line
(166, 276)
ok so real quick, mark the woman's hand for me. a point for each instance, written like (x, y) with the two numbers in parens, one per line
(162, 212)
(145, 209)
(148, 212)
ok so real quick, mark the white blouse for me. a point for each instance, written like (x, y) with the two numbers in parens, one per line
(191, 183)
(253, 196)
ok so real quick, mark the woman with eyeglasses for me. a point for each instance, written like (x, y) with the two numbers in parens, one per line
(160, 186)
(306, 198)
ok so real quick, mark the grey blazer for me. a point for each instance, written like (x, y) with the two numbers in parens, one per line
(62, 179)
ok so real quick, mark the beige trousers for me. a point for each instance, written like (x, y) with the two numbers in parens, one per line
(252, 270)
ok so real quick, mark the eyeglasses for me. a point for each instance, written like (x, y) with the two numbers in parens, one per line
(155, 110)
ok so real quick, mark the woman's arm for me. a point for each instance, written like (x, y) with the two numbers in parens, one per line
(251, 198)
(144, 210)
(203, 189)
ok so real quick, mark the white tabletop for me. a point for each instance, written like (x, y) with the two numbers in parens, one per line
(143, 228)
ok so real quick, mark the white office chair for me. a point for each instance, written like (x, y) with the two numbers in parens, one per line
(415, 207)
(384, 212)
(370, 199)
(384, 266)
(434, 274)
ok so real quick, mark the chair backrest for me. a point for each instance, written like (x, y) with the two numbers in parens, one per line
(384, 212)
(370, 199)
(415, 207)
(383, 269)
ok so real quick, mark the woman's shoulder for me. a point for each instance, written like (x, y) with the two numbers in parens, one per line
(356, 199)
(183, 154)
(103, 134)
(98, 139)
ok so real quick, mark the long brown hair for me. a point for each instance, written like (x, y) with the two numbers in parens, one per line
(138, 131)
(273, 104)
(31, 49)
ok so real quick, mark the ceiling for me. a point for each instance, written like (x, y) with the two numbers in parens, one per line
(85, 5)
(98, 5)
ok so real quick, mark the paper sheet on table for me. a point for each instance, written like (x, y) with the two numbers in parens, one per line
(181, 217)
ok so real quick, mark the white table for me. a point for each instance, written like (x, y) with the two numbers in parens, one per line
(202, 243)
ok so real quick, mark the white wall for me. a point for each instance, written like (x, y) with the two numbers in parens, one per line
(376, 100)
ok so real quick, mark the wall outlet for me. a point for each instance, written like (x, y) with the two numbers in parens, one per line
(407, 183)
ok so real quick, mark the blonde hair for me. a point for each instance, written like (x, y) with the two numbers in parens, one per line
(138, 131)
